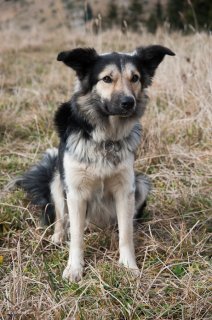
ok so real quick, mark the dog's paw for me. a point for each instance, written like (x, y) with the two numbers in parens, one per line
(73, 274)
(130, 263)
(57, 238)
(135, 272)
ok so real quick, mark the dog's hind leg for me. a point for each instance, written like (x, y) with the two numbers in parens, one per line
(59, 202)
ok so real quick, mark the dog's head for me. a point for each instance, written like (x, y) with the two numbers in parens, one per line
(115, 81)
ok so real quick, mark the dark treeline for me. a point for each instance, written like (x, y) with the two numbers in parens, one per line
(185, 15)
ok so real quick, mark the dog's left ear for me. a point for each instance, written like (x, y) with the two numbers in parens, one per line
(80, 60)
(150, 57)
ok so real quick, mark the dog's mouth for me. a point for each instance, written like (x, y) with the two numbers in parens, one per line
(127, 114)
(121, 113)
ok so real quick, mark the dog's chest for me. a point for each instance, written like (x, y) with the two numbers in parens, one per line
(96, 164)
(106, 154)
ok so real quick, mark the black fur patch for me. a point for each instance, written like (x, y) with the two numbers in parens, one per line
(139, 214)
(68, 120)
(61, 151)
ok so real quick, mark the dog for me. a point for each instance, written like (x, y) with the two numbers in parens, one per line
(89, 179)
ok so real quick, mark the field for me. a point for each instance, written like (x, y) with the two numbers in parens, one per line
(172, 242)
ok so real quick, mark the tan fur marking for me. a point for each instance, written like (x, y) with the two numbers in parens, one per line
(121, 81)
(127, 74)
(110, 70)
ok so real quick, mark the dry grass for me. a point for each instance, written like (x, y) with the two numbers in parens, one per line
(172, 243)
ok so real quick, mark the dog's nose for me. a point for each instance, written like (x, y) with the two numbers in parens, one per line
(127, 103)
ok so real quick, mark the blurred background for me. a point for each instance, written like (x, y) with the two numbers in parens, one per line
(172, 243)
(96, 15)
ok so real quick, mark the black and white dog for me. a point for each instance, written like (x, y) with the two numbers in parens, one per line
(90, 176)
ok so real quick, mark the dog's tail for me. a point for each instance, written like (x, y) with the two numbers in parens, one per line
(143, 187)
(36, 182)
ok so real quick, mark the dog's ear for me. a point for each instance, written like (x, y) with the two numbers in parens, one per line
(150, 57)
(80, 59)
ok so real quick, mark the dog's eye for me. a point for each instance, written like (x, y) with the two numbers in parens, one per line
(135, 78)
(107, 79)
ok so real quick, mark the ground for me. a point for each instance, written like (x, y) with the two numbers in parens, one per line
(172, 242)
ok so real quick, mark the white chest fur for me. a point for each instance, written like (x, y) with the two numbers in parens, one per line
(85, 178)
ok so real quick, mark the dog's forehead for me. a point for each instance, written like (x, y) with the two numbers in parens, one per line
(117, 61)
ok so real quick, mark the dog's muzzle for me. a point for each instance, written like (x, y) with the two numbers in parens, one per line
(123, 106)
(127, 106)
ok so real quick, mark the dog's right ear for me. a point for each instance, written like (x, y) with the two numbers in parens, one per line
(80, 60)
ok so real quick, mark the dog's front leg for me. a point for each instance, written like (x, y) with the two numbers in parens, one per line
(77, 212)
(125, 207)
